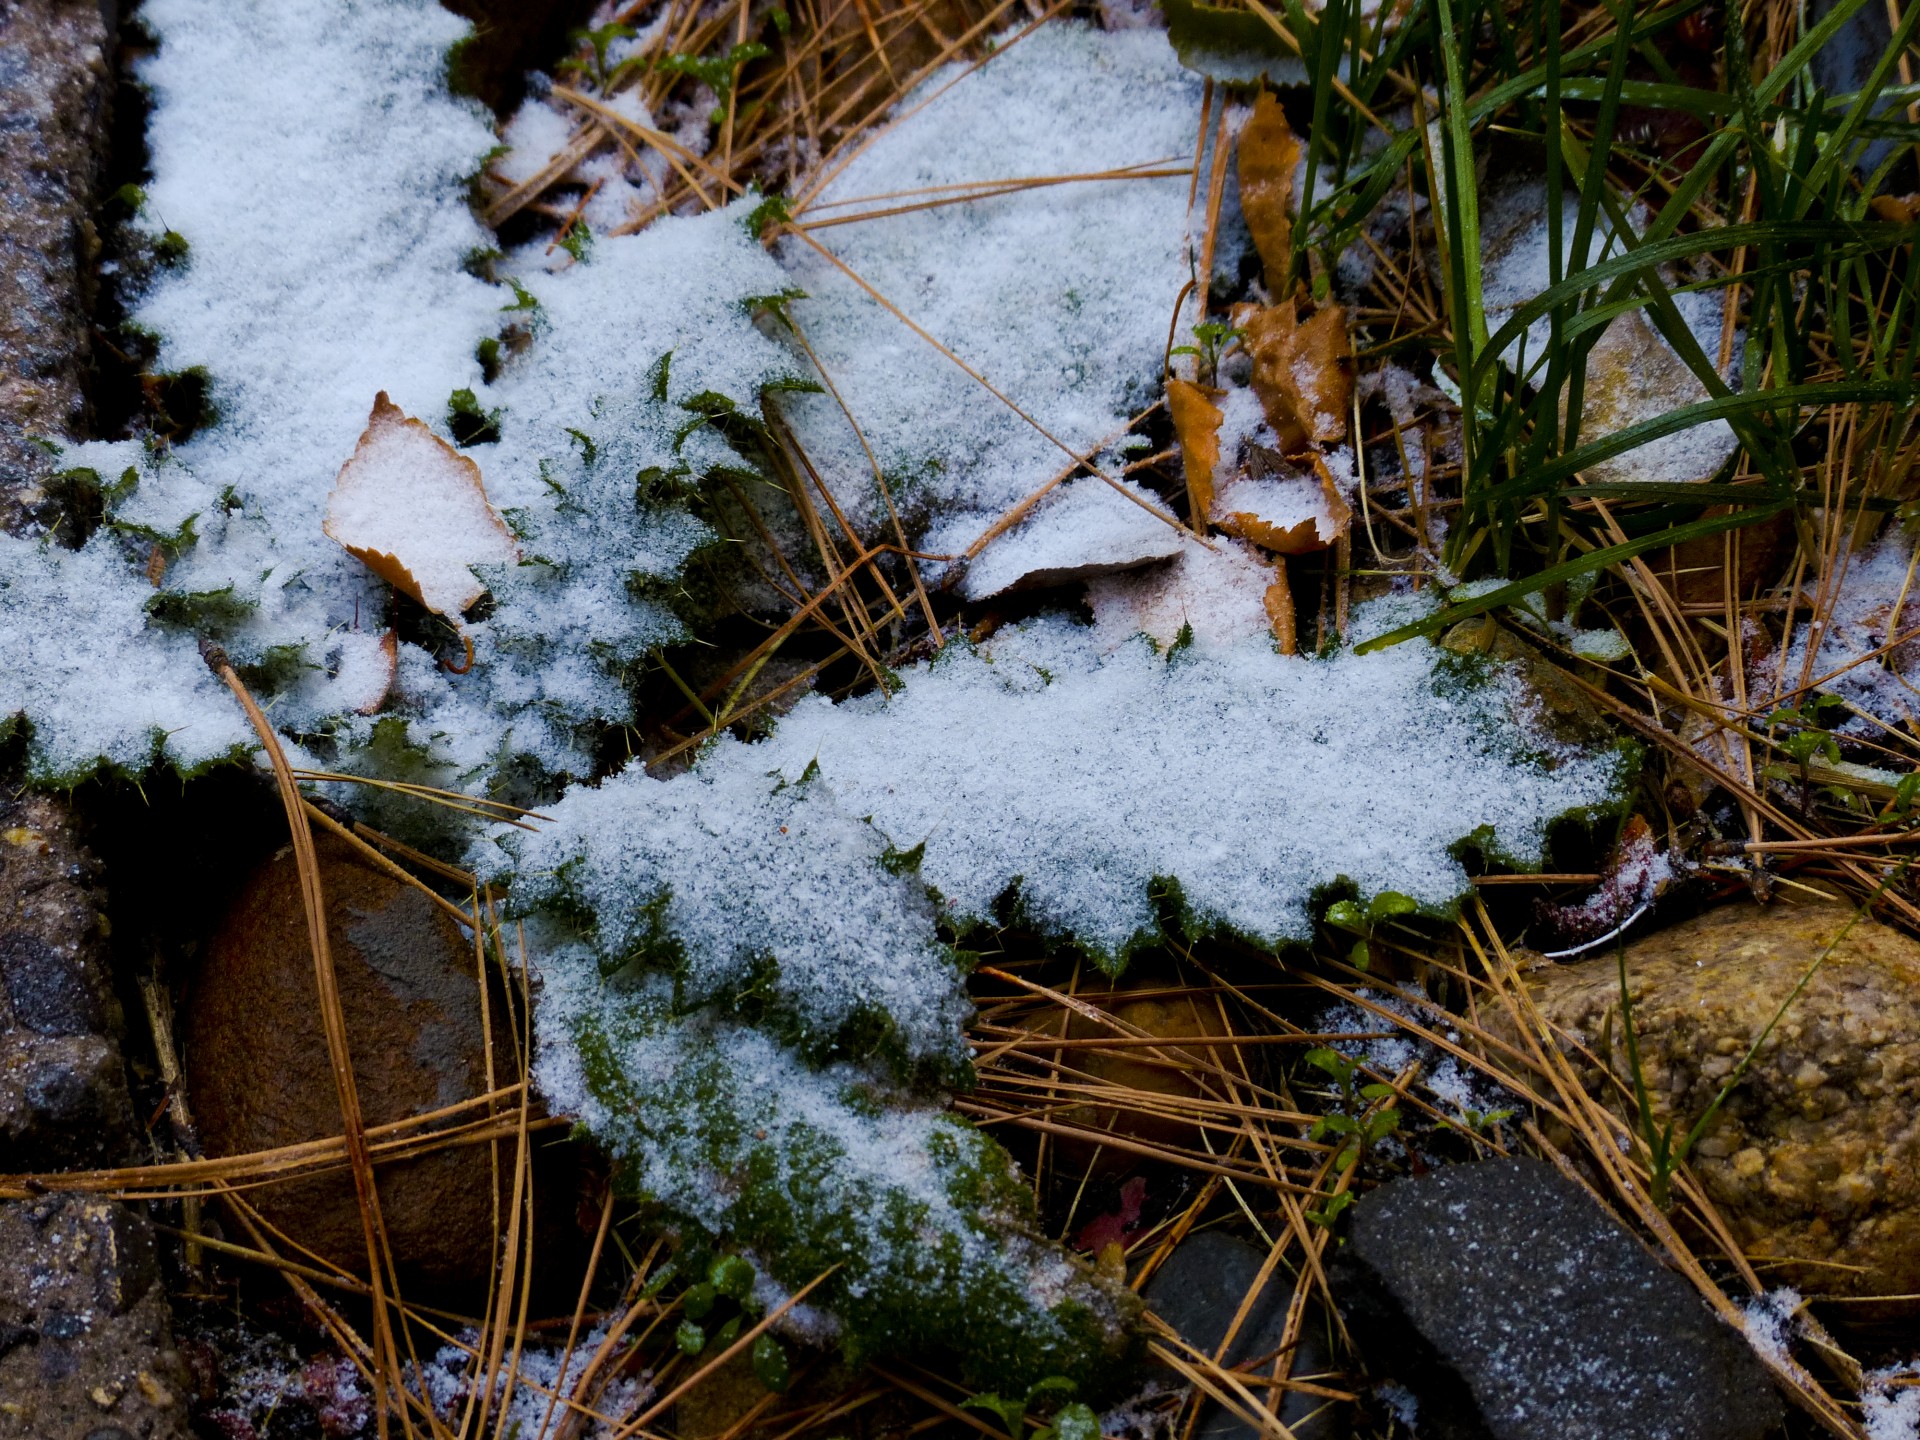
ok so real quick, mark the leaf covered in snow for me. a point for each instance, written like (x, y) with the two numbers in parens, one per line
(413, 510)
(1301, 371)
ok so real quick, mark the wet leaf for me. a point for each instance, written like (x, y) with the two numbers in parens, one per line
(1268, 154)
(1235, 46)
(413, 510)
(1196, 423)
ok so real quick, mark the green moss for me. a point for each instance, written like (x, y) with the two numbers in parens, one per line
(945, 1268)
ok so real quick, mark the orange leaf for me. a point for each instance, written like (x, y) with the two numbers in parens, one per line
(1898, 208)
(413, 510)
(1196, 423)
(1300, 372)
(1268, 156)
(1279, 603)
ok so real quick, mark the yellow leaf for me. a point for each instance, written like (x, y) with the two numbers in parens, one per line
(413, 510)
(1268, 156)
(1196, 423)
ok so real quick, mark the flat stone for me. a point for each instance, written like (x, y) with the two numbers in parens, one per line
(84, 1342)
(1199, 1290)
(1515, 1308)
(1814, 1159)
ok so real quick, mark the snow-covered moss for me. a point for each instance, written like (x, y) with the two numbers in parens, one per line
(740, 988)
(329, 247)
(1085, 781)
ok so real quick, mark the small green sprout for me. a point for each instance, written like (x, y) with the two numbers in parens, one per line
(1363, 1121)
(1072, 1421)
(1810, 737)
(598, 40)
(1335, 1207)
(468, 422)
(1214, 338)
(716, 72)
(1349, 916)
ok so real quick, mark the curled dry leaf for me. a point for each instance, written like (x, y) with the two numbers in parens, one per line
(1283, 510)
(1196, 424)
(1300, 371)
(1269, 154)
(413, 510)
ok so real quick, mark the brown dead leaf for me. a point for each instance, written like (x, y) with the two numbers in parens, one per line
(1196, 423)
(1268, 156)
(413, 510)
(1300, 371)
(1279, 603)
(1898, 208)
(1288, 514)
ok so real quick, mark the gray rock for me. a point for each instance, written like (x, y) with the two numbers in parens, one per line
(1199, 1290)
(63, 1090)
(54, 91)
(1515, 1308)
(84, 1325)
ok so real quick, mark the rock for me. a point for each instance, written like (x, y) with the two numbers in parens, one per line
(259, 1076)
(1515, 1308)
(1200, 1289)
(84, 1347)
(63, 1090)
(1815, 1157)
(54, 90)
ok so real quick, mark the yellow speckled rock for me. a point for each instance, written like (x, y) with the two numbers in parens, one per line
(1815, 1157)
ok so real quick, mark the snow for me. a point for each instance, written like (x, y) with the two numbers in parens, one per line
(1079, 530)
(1871, 600)
(1890, 1403)
(327, 264)
(1218, 595)
(1060, 295)
(1463, 1092)
(99, 684)
(1044, 764)
(739, 881)
(534, 137)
